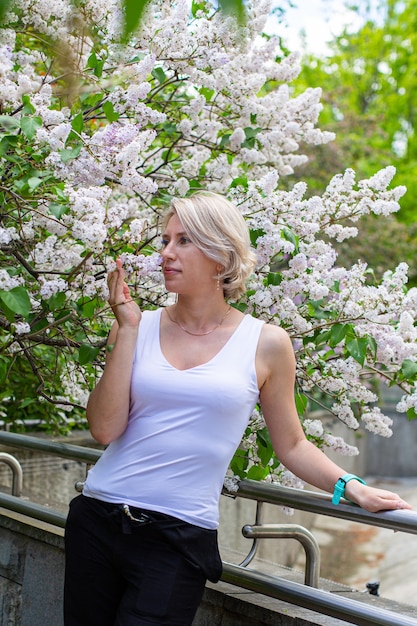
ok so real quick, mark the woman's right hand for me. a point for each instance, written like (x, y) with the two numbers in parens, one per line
(126, 310)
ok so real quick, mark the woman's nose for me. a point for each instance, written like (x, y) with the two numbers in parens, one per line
(167, 251)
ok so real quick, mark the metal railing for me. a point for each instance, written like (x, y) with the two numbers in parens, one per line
(294, 593)
(17, 472)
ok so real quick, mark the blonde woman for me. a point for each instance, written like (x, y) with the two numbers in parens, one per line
(175, 397)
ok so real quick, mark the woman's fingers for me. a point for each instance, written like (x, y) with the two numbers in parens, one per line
(118, 290)
(124, 308)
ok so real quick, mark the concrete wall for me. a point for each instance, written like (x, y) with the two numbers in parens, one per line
(31, 586)
(31, 574)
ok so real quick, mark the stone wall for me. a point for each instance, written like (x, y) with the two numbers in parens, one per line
(31, 586)
(31, 574)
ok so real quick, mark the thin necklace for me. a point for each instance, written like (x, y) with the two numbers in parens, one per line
(200, 334)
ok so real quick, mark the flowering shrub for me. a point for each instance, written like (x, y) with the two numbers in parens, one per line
(96, 136)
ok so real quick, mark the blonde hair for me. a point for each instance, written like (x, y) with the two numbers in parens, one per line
(219, 230)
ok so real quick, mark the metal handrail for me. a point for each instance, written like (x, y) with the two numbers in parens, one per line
(403, 520)
(291, 531)
(301, 595)
(323, 602)
(311, 547)
(17, 472)
(301, 499)
(65, 450)
(33, 510)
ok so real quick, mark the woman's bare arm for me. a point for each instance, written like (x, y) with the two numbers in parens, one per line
(276, 364)
(108, 404)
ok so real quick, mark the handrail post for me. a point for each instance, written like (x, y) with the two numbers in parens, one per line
(251, 554)
(17, 480)
(300, 534)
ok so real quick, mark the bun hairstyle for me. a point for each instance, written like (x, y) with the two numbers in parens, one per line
(219, 230)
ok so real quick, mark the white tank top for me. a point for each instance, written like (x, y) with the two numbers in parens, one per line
(184, 427)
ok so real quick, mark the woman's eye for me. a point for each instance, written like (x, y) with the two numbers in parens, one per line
(184, 240)
(164, 243)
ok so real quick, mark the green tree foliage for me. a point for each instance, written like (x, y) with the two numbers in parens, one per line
(369, 81)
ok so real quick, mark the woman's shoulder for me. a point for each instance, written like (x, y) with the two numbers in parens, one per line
(275, 341)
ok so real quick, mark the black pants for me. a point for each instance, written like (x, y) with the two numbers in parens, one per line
(122, 572)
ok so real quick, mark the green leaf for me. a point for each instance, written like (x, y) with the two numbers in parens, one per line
(225, 140)
(133, 13)
(109, 112)
(56, 301)
(159, 74)
(3, 370)
(30, 125)
(89, 308)
(411, 414)
(33, 183)
(4, 7)
(77, 123)
(255, 234)
(70, 153)
(207, 93)
(92, 60)
(9, 123)
(16, 300)
(373, 346)
(196, 7)
(288, 235)
(57, 209)
(170, 128)
(274, 278)
(257, 472)
(301, 402)
(357, 348)
(59, 192)
(409, 368)
(239, 463)
(96, 64)
(236, 8)
(240, 181)
(87, 354)
(4, 145)
(251, 132)
(338, 332)
(28, 108)
(265, 450)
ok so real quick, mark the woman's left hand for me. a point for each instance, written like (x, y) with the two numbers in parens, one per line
(373, 499)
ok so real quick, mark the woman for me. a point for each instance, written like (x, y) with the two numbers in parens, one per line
(175, 397)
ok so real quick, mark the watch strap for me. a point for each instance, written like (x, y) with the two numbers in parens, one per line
(339, 488)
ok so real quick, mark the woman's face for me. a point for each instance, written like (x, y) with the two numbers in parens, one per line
(185, 267)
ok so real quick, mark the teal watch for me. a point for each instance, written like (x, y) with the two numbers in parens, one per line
(339, 488)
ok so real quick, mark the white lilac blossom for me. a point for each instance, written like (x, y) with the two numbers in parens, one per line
(21, 328)
(376, 422)
(337, 444)
(8, 282)
(314, 428)
(52, 286)
(115, 130)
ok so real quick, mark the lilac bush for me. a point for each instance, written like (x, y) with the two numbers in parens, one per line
(97, 135)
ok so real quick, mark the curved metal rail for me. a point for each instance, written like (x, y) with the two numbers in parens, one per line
(311, 547)
(300, 534)
(17, 472)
